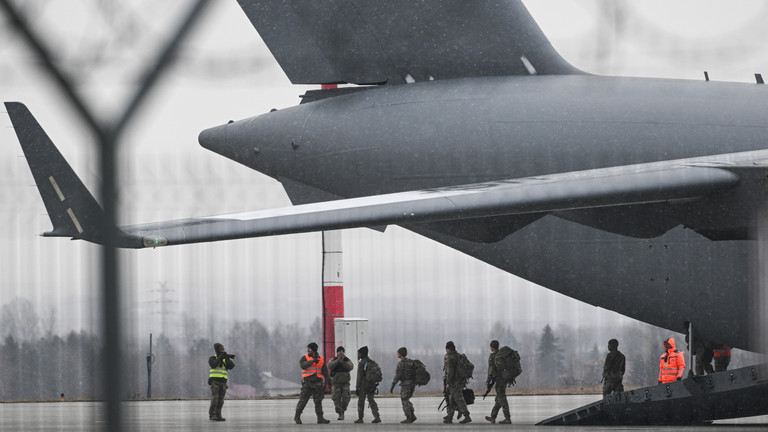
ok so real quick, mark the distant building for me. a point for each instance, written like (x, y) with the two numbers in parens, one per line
(243, 391)
(274, 386)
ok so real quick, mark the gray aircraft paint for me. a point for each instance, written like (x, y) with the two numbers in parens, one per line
(468, 130)
(464, 130)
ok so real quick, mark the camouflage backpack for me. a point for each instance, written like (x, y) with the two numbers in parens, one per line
(373, 372)
(421, 375)
(464, 367)
(507, 362)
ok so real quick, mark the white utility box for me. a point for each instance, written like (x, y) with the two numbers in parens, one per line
(352, 334)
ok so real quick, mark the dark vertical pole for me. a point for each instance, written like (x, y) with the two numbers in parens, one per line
(111, 288)
(149, 369)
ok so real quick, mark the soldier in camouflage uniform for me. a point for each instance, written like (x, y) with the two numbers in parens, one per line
(405, 374)
(313, 368)
(339, 367)
(454, 385)
(613, 370)
(722, 355)
(365, 388)
(500, 385)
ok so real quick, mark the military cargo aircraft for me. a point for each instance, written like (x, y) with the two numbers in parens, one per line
(463, 124)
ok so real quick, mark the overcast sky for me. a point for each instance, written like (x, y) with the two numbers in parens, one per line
(225, 72)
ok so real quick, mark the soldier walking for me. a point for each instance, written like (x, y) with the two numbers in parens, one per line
(496, 376)
(406, 375)
(313, 369)
(454, 384)
(339, 367)
(368, 377)
(613, 369)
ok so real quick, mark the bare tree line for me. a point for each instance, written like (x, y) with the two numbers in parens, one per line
(38, 364)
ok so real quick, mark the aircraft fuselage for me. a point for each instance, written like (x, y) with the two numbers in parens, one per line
(638, 261)
(441, 133)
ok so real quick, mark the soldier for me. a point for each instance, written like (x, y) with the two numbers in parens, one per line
(220, 364)
(702, 349)
(339, 367)
(313, 369)
(722, 356)
(497, 378)
(613, 369)
(406, 375)
(368, 377)
(704, 354)
(454, 384)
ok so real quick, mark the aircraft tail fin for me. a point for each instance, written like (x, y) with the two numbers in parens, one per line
(73, 210)
(402, 41)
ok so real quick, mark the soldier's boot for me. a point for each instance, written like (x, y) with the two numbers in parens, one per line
(409, 420)
(321, 420)
(297, 417)
(448, 418)
(410, 415)
(491, 419)
(466, 419)
(506, 420)
(341, 415)
(376, 419)
(360, 420)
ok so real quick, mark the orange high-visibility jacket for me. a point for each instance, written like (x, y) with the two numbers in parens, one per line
(672, 363)
(315, 368)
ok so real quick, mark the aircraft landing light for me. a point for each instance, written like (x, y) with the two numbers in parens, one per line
(154, 241)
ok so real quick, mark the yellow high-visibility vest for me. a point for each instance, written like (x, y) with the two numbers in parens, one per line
(221, 371)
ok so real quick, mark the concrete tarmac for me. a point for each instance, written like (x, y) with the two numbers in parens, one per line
(277, 415)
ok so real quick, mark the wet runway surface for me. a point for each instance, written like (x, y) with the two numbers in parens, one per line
(277, 415)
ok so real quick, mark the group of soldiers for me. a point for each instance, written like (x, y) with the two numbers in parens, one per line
(671, 363)
(336, 373)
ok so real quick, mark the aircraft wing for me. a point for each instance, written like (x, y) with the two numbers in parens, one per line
(398, 41)
(568, 191)
(75, 213)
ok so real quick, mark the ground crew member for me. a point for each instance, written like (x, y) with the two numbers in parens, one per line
(217, 379)
(500, 384)
(722, 358)
(672, 363)
(406, 375)
(313, 370)
(454, 384)
(365, 387)
(613, 369)
(339, 368)
(702, 349)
